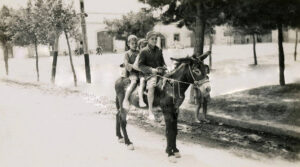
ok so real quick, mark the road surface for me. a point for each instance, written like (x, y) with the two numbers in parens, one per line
(41, 128)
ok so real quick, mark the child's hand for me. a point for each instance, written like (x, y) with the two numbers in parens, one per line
(154, 70)
(161, 70)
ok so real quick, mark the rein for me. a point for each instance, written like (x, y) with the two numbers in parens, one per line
(188, 83)
(178, 81)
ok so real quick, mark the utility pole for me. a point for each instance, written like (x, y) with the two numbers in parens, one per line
(85, 43)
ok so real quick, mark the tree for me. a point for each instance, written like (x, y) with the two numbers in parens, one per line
(267, 14)
(279, 14)
(210, 31)
(55, 10)
(196, 15)
(70, 26)
(252, 30)
(244, 16)
(132, 23)
(5, 33)
(296, 43)
(31, 27)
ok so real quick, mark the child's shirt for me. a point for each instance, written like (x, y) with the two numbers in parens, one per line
(129, 60)
(150, 58)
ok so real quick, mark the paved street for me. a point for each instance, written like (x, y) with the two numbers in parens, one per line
(39, 128)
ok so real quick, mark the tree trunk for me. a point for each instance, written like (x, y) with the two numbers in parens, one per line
(210, 49)
(281, 55)
(199, 39)
(37, 61)
(11, 48)
(54, 61)
(5, 54)
(254, 49)
(296, 43)
(71, 61)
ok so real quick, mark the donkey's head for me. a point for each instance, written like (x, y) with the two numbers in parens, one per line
(197, 73)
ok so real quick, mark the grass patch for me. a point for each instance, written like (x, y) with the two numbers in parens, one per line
(269, 103)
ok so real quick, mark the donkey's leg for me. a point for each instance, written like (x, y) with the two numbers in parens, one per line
(123, 127)
(170, 134)
(123, 122)
(205, 109)
(174, 148)
(118, 128)
(118, 119)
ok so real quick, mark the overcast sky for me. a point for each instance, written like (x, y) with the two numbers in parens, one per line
(98, 10)
(111, 6)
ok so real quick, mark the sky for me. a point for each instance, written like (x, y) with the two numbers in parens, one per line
(111, 6)
(98, 10)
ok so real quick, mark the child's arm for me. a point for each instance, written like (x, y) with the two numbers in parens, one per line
(128, 66)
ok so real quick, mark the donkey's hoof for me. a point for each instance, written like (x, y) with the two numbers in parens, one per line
(130, 147)
(121, 140)
(172, 159)
(177, 155)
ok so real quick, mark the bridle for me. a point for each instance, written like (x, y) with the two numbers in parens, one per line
(196, 83)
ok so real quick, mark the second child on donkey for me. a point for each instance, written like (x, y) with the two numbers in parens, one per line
(141, 44)
(129, 59)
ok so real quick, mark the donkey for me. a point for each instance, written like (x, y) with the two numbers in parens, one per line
(169, 95)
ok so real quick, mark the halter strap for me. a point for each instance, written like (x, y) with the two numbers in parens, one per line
(194, 80)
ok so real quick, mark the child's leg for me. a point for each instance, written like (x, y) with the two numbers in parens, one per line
(151, 88)
(133, 83)
(141, 92)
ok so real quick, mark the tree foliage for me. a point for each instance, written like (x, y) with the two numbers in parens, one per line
(5, 33)
(31, 26)
(132, 23)
(5, 23)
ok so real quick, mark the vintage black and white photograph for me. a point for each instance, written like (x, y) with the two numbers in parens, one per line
(149, 83)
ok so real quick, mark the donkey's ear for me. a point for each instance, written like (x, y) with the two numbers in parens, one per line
(204, 55)
(182, 60)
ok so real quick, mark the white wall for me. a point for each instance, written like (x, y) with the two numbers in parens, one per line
(168, 32)
(119, 45)
(219, 37)
(289, 36)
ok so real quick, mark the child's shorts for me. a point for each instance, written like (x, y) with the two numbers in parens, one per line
(133, 76)
(151, 82)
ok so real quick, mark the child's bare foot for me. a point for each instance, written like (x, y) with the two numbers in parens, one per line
(126, 105)
(142, 104)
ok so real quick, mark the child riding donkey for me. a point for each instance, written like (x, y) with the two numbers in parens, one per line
(151, 63)
(134, 75)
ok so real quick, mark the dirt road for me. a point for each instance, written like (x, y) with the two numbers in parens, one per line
(40, 128)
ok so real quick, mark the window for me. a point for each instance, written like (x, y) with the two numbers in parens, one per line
(176, 37)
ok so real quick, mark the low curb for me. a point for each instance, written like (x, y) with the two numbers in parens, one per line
(263, 126)
(256, 125)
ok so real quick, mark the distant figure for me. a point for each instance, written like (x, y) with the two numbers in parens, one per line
(99, 50)
(81, 48)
